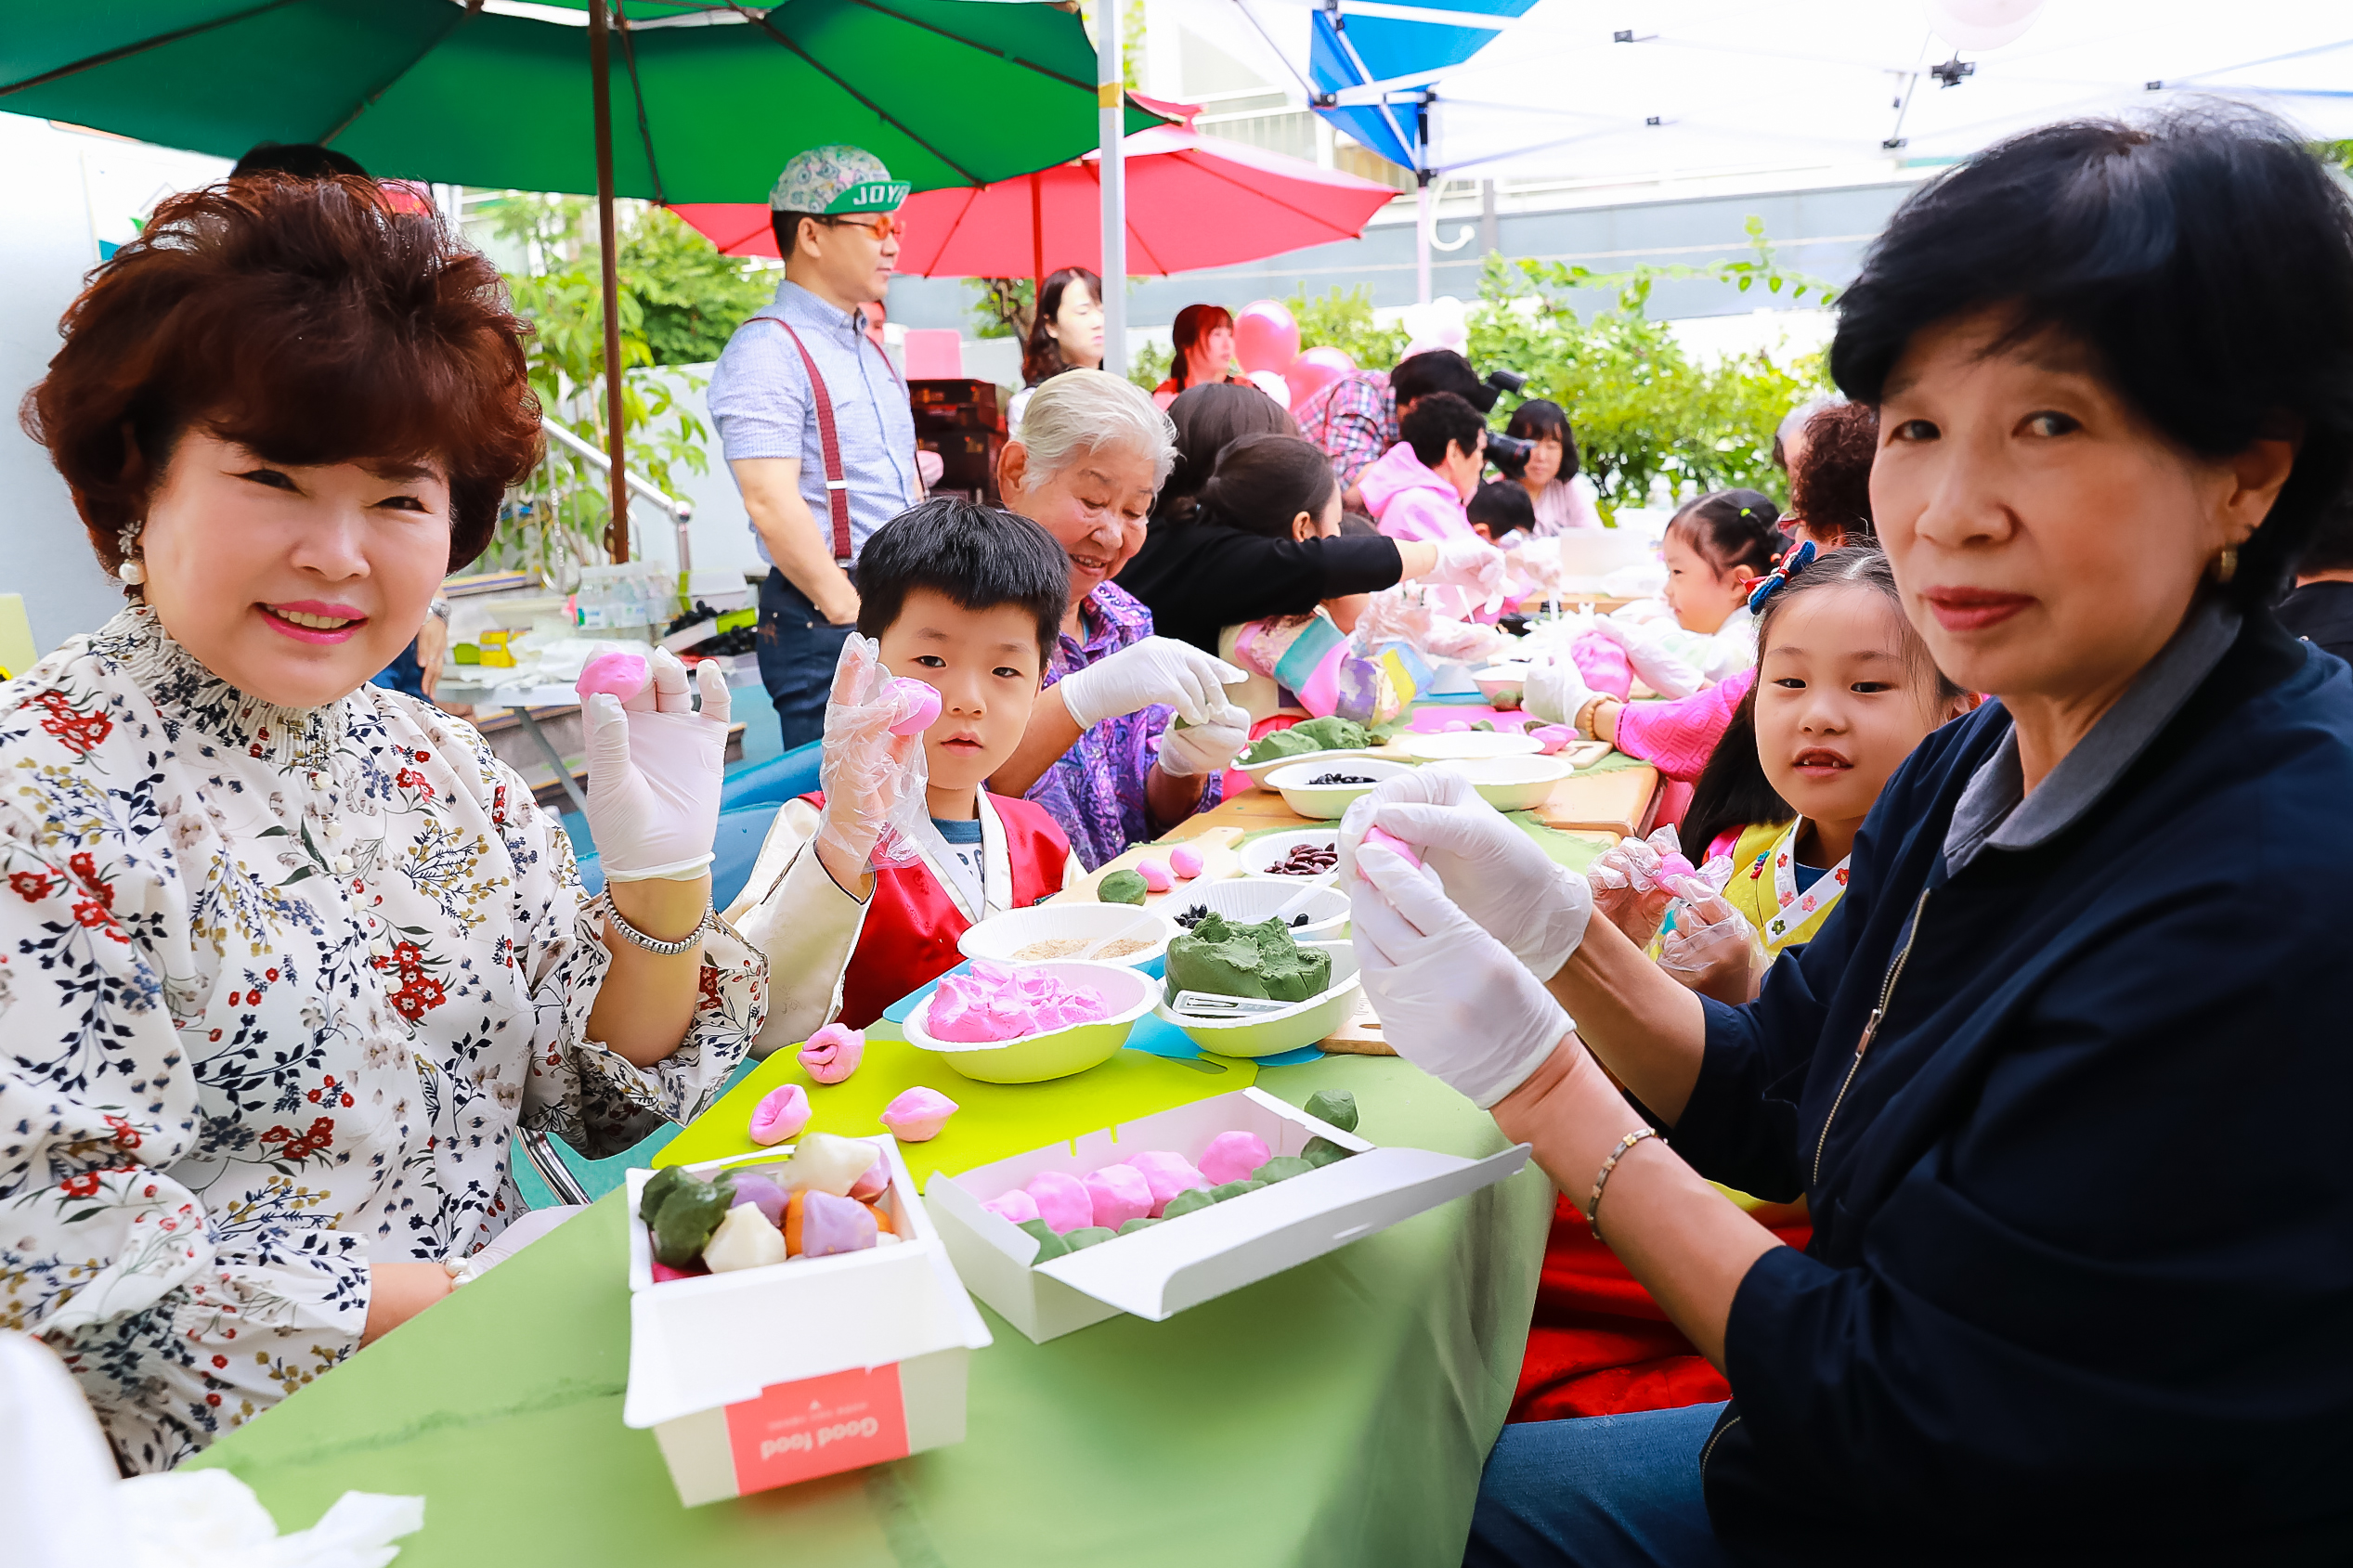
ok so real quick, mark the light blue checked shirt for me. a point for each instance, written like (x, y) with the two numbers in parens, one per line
(760, 401)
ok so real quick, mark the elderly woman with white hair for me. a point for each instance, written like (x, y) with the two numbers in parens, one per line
(1101, 753)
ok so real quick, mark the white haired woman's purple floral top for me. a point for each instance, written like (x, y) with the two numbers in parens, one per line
(1095, 789)
(276, 987)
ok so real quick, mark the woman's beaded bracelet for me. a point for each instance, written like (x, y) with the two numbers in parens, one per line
(635, 938)
(1601, 1180)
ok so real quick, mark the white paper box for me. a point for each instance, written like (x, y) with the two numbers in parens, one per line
(764, 1376)
(1160, 1272)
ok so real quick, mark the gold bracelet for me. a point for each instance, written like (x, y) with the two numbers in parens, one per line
(1593, 1205)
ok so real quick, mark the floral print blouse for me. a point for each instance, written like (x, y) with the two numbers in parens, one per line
(277, 988)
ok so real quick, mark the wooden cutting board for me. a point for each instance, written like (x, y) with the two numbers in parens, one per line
(1360, 1036)
(1215, 847)
(1616, 803)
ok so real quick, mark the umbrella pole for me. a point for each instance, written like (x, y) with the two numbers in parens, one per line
(1110, 98)
(600, 58)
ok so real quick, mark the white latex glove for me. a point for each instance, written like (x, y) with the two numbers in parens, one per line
(1203, 748)
(1557, 692)
(1659, 667)
(653, 772)
(1158, 670)
(1451, 999)
(1534, 906)
(1469, 562)
(871, 777)
(1712, 949)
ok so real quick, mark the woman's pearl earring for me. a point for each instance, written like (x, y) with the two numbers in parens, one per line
(131, 571)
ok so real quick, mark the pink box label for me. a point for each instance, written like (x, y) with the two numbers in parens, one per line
(818, 1426)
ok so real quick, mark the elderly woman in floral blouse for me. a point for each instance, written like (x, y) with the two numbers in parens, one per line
(1104, 753)
(286, 958)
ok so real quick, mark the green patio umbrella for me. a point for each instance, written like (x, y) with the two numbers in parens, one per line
(699, 102)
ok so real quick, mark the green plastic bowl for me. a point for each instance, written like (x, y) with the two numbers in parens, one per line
(1036, 1058)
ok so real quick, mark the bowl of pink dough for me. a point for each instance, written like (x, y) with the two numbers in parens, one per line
(1003, 1023)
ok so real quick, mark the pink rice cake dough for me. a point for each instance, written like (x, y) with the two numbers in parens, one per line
(833, 1053)
(1155, 875)
(830, 1225)
(1119, 1193)
(1231, 1157)
(916, 1116)
(1016, 1207)
(996, 1001)
(1555, 738)
(878, 1176)
(1167, 1174)
(922, 700)
(1184, 862)
(622, 675)
(780, 1114)
(754, 1188)
(1062, 1201)
(1391, 842)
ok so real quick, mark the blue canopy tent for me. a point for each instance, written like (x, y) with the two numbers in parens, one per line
(1370, 65)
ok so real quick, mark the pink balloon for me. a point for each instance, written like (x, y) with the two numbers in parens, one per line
(1266, 338)
(1314, 371)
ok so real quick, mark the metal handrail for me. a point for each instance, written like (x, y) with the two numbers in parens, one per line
(680, 512)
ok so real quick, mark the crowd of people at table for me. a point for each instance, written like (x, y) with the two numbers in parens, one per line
(1943, 1134)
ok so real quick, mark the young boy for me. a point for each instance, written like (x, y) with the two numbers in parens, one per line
(967, 600)
(1501, 515)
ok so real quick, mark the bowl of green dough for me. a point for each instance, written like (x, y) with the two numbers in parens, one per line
(1317, 982)
(1330, 739)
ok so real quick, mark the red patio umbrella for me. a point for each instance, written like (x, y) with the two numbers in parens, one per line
(1192, 201)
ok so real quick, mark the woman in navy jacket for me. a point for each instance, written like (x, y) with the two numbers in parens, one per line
(2065, 1077)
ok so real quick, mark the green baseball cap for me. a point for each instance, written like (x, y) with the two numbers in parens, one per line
(836, 179)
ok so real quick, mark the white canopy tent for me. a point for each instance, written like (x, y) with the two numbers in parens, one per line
(1642, 89)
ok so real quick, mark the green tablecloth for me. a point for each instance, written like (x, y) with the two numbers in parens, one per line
(1336, 1414)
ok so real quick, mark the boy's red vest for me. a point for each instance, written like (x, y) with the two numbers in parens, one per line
(912, 926)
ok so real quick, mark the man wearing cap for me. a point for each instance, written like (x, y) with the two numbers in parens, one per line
(815, 421)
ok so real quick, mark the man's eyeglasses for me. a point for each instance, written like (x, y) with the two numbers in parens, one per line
(882, 225)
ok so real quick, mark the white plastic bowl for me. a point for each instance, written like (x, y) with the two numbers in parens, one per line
(1002, 937)
(1514, 784)
(1059, 1053)
(1458, 746)
(1270, 1034)
(1310, 799)
(1259, 771)
(1502, 684)
(1248, 900)
(1258, 854)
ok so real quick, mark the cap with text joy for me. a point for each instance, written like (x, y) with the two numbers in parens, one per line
(836, 179)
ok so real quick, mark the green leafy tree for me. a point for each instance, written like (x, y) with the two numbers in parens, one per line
(1342, 319)
(686, 299)
(1644, 412)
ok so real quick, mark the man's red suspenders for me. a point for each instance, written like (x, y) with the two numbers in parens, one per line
(829, 441)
